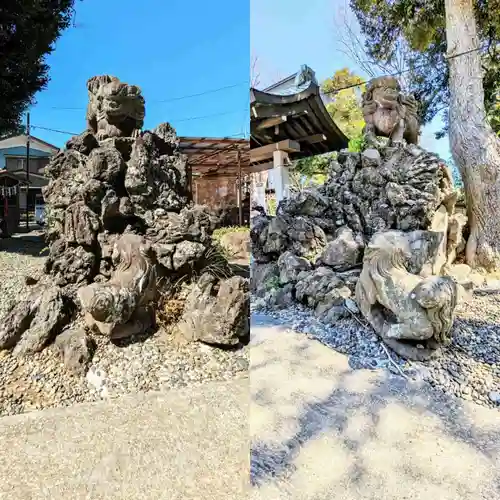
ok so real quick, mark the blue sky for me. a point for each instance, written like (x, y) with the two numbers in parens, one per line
(288, 33)
(170, 48)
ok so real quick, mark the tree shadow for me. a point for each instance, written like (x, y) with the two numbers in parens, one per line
(276, 460)
(25, 244)
(333, 414)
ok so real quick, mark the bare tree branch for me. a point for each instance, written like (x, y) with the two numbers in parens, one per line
(254, 73)
(352, 44)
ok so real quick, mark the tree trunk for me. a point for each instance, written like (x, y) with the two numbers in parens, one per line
(474, 145)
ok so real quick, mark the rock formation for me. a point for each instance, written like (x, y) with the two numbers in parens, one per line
(119, 222)
(382, 230)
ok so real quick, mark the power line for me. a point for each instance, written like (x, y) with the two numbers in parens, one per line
(172, 121)
(180, 98)
(402, 71)
(240, 134)
(206, 116)
(54, 130)
(213, 91)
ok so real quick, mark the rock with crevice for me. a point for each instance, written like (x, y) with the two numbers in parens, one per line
(75, 348)
(344, 252)
(216, 312)
(290, 266)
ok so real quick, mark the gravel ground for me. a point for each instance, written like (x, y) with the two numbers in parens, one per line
(155, 363)
(469, 368)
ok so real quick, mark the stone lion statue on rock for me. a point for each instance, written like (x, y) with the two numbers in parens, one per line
(120, 307)
(388, 112)
(115, 109)
(412, 315)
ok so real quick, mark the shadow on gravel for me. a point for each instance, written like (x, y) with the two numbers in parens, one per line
(25, 244)
(363, 411)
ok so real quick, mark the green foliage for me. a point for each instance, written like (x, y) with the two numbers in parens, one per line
(216, 262)
(345, 107)
(299, 181)
(28, 31)
(221, 231)
(272, 206)
(421, 26)
(357, 144)
(272, 283)
(313, 165)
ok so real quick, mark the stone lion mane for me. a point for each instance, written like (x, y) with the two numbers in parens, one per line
(115, 109)
(439, 297)
(132, 285)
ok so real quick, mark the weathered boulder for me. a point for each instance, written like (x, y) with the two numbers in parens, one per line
(217, 312)
(465, 276)
(290, 266)
(83, 143)
(310, 203)
(35, 321)
(76, 348)
(323, 291)
(455, 241)
(271, 236)
(344, 252)
(262, 276)
(237, 243)
(370, 158)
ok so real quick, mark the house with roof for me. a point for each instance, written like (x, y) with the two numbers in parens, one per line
(17, 192)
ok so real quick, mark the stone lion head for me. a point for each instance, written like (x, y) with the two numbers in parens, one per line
(115, 101)
(438, 295)
(386, 86)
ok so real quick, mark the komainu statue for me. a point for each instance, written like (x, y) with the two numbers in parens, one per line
(412, 315)
(115, 109)
(388, 112)
(121, 307)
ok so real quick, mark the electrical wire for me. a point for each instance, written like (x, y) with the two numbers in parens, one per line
(240, 134)
(180, 98)
(53, 130)
(418, 66)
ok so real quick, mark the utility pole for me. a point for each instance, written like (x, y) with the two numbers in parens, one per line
(27, 169)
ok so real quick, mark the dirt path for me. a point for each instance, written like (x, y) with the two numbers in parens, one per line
(321, 430)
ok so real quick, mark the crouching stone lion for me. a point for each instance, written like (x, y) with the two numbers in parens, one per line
(412, 315)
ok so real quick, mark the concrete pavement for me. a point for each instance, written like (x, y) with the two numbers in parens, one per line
(189, 444)
(321, 431)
